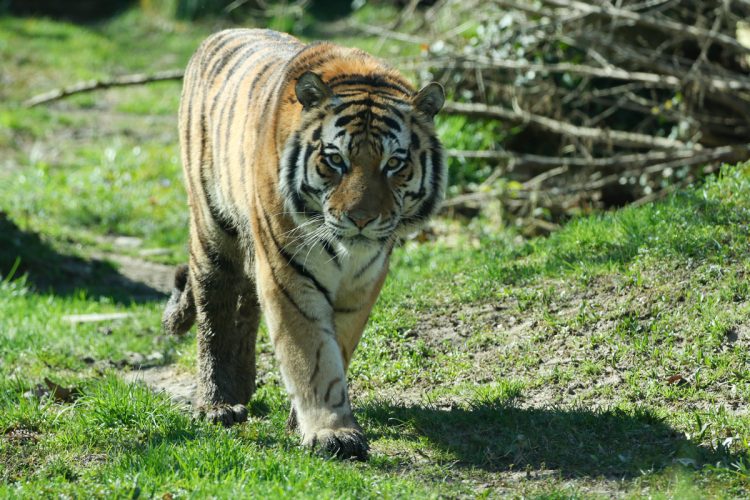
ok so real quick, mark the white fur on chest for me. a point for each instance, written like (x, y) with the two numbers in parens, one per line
(353, 268)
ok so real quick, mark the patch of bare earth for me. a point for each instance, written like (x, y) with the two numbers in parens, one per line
(179, 384)
(156, 276)
(18, 454)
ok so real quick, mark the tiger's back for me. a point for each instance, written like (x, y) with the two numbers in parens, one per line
(303, 165)
(230, 79)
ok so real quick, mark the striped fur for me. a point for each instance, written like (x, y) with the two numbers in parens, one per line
(303, 165)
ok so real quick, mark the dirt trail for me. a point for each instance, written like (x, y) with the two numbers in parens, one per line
(177, 383)
(151, 274)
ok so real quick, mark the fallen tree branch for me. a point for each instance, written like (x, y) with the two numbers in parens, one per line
(89, 85)
(606, 136)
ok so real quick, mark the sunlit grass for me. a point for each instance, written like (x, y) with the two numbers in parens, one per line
(491, 365)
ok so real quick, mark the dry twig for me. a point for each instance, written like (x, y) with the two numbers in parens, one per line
(90, 85)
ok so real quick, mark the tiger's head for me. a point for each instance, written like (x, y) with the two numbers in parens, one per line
(365, 165)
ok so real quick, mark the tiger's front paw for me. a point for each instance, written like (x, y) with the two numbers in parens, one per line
(343, 443)
(226, 415)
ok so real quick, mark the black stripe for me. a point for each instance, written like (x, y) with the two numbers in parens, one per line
(317, 364)
(331, 251)
(219, 64)
(190, 93)
(224, 223)
(322, 172)
(423, 162)
(227, 106)
(229, 38)
(390, 122)
(367, 266)
(343, 399)
(316, 133)
(290, 298)
(307, 189)
(369, 103)
(415, 142)
(301, 269)
(330, 386)
(385, 132)
(285, 291)
(342, 121)
(368, 80)
(414, 194)
(437, 168)
(302, 61)
(251, 50)
(383, 94)
(291, 166)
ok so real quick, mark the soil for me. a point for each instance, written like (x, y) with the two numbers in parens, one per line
(170, 379)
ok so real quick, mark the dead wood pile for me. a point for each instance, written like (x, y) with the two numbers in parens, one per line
(601, 103)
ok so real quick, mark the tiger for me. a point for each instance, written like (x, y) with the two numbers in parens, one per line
(304, 165)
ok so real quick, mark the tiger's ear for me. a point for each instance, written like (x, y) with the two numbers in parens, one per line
(311, 91)
(430, 99)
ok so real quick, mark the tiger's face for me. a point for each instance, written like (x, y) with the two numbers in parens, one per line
(365, 166)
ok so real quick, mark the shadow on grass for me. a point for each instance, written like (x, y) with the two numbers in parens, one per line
(576, 443)
(47, 270)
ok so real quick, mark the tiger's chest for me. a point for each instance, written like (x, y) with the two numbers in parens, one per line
(349, 273)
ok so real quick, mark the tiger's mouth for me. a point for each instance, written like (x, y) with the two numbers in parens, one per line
(361, 239)
(368, 235)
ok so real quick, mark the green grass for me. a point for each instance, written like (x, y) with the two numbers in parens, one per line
(446, 385)
(492, 365)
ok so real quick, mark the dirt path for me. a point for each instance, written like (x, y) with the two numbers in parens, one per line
(179, 384)
(153, 275)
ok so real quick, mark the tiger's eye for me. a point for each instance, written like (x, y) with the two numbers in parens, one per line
(394, 162)
(337, 159)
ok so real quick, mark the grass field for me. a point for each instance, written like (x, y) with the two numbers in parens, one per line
(609, 359)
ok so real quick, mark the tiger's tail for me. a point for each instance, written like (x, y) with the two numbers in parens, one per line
(179, 315)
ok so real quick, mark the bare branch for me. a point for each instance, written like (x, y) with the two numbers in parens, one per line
(614, 137)
(613, 72)
(90, 85)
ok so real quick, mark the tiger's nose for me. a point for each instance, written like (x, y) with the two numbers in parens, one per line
(361, 218)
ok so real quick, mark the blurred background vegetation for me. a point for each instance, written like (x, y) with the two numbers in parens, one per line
(556, 108)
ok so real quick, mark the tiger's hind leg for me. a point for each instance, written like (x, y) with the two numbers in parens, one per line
(228, 314)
